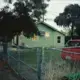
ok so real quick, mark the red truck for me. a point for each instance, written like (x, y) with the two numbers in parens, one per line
(72, 51)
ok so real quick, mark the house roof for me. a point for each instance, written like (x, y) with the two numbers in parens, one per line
(51, 27)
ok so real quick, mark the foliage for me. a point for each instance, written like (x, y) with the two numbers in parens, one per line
(36, 8)
(39, 9)
(73, 76)
(70, 17)
(13, 23)
(77, 30)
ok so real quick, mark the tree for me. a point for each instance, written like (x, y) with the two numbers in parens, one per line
(70, 17)
(13, 23)
(39, 9)
(34, 8)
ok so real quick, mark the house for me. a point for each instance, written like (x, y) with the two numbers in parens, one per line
(49, 37)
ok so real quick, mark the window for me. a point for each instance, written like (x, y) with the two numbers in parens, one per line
(42, 33)
(59, 39)
(47, 35)
(34, 38)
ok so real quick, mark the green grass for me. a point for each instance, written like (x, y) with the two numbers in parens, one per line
(52, 54)
(29, 56)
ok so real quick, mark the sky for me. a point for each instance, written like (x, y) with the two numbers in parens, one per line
(2, 3)
(55, 7)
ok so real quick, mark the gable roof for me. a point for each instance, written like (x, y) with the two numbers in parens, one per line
(51, 27)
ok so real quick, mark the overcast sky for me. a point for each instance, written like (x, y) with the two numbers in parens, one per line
(55, 7)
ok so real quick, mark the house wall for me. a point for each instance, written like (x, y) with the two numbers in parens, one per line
(62, 40)
(41, 41)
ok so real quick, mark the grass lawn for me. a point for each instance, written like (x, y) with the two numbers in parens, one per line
(52, 54)
(29, 56)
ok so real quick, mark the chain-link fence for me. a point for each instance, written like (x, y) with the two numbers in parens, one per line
(24, 62)
(41, 63)
(54, 67)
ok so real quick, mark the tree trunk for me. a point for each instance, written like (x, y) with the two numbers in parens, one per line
(72, 31)
(17, 40)
(5, 54)
(13, 41)
(5, 47)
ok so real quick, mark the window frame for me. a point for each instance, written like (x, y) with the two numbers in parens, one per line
(58, 39)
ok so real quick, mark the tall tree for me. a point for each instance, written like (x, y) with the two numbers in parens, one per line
(40, 10)
(36, 9)
(70, 17)
(13, 22)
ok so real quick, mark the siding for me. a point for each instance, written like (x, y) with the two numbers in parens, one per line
(61, 44)
(41, 41)
(51, 41)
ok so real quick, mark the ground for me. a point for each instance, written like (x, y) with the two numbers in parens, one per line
(6, 72)
(5, 75)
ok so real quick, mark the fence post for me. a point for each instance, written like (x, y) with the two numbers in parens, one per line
(8, 55)
(8, 51)
(39, 61)
(18, 60)
(43, 58)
